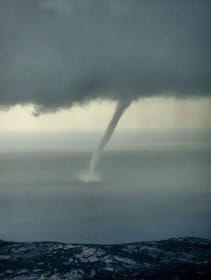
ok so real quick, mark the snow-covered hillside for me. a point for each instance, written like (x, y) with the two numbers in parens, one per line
(180, 258)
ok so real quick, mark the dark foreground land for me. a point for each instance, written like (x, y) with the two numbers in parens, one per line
(179, 258)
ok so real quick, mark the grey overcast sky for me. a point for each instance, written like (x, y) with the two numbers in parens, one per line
(60, 53)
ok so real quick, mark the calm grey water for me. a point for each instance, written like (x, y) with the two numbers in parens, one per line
(147, 191)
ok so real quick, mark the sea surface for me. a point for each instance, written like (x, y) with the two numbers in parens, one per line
(154, 185)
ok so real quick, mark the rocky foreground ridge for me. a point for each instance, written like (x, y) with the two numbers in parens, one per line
(176, 258)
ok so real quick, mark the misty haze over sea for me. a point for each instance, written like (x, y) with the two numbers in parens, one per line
(155, 185)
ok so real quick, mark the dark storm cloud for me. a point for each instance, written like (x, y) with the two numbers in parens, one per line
(55, 53)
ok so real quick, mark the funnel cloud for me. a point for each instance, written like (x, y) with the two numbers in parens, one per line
(58, 53)
(120, 108)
